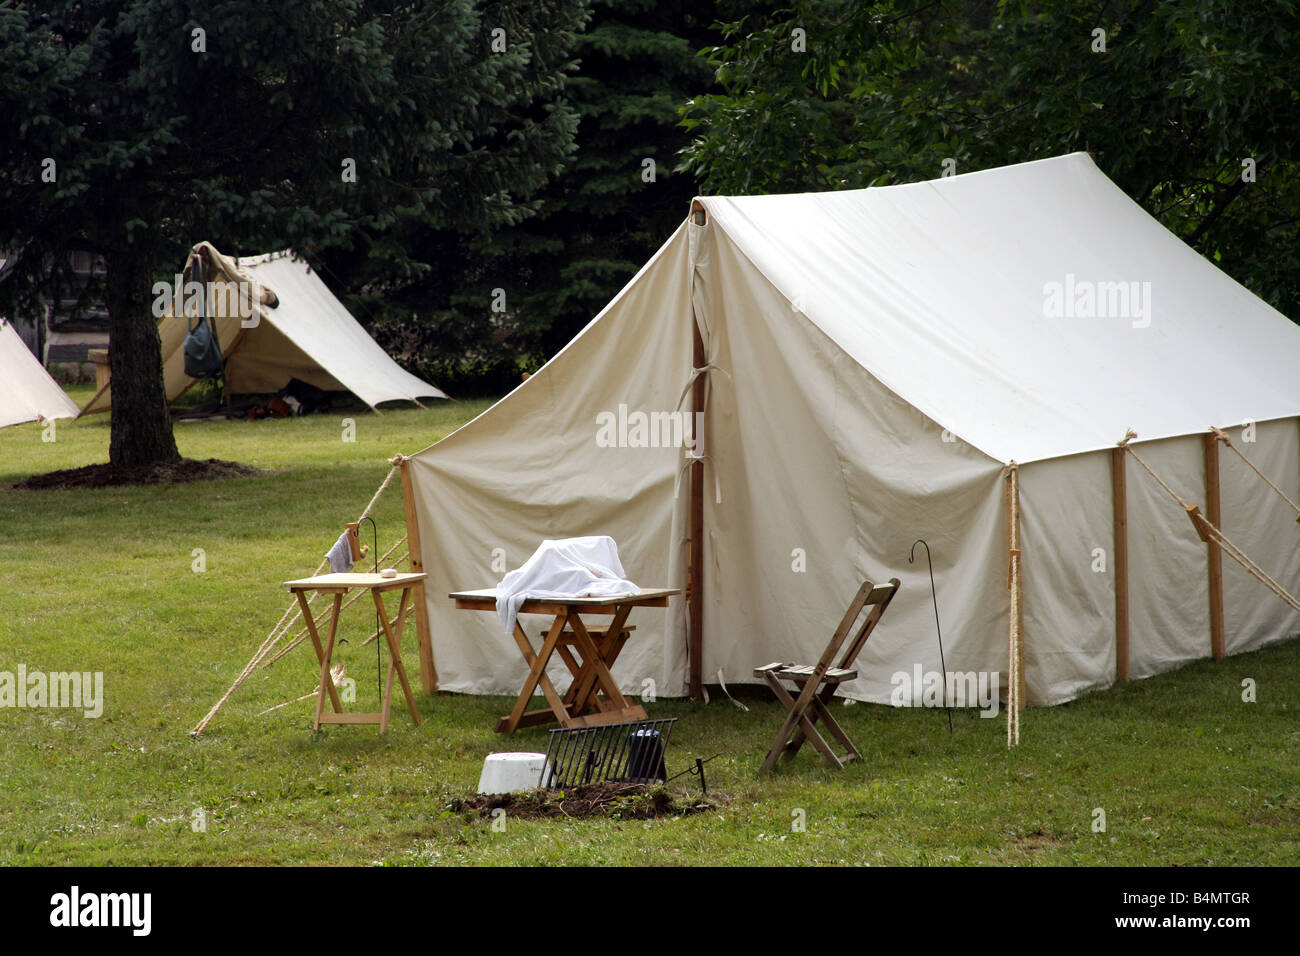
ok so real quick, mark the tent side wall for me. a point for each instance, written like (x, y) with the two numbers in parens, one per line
(536, 465)
(1069, 559)
(1264, 527)
(264, 359)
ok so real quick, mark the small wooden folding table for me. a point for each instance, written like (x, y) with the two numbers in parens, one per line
(589, 653)
(339, 585)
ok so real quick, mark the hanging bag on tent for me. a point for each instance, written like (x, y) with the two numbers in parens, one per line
(202, 351)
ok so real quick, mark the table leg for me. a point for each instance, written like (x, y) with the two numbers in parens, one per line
(597, 678)
(536, 675)
(322, 654)
(395, 653)
(595, 674)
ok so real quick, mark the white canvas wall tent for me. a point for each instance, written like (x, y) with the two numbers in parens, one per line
(955, 360)
(27, 393)
(277, 320)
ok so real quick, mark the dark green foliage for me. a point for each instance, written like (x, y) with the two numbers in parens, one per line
(246, 142)
(886, 92)
(595, 224)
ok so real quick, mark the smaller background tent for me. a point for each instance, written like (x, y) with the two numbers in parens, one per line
(27, 393)
(306, 334)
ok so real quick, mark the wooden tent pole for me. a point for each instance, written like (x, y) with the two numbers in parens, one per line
(1017, 589)
(695, 571)
(1119, 496)
(428, 670)
(695, 520)
(1015, 613)
(1215, 551)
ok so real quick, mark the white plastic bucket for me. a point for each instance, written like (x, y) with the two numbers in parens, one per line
(511, 773)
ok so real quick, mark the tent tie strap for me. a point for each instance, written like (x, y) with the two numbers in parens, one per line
(696, 373)
(1222, 436)
(686, 463)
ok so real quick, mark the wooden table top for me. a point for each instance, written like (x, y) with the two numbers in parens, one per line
(349, 580)
(484, 599)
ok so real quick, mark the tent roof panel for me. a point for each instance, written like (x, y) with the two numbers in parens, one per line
(944, 291)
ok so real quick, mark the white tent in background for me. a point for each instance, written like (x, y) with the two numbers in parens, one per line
(878, 364)
(295, 329)
(27, 393)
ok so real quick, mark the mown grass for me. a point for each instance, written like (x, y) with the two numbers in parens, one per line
(1184, 770)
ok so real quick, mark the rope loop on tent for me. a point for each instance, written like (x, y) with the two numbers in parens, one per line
(1222, 436)
(290, 617)
(1207, 531)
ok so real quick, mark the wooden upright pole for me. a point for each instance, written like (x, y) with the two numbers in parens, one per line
(428, 671)
(1119, 495)
(695, 527)
(1215, 517)
(1016, 667)
(695, 585)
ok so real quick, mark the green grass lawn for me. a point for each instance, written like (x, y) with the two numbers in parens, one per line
(1185, 772)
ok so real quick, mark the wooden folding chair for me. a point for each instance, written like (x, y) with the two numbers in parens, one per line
(817, 683)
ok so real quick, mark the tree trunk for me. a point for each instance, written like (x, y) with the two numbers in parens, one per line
(141, 431)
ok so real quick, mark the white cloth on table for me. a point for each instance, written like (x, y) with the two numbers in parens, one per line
(340, 555)
(567, 567)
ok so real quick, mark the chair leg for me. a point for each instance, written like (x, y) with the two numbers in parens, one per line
(821, 708)
(796, 721)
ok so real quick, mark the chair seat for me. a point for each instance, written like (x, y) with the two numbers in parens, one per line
(834, 675)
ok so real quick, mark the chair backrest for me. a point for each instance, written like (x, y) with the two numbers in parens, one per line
(873, 596)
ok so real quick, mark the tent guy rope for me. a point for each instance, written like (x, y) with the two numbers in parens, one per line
(1222, 436)
(1205, 530)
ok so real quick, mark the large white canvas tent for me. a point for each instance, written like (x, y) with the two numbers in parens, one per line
(282, 323)
(878, 366)
(27, 393)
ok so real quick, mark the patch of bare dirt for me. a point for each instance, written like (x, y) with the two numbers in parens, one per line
(614, 800)
(159, 473)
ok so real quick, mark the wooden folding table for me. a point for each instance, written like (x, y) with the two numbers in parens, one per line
(589, 653)
(339, 585)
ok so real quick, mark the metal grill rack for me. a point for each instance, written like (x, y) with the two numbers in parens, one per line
(625, 753)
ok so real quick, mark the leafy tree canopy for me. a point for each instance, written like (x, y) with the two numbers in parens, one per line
(136, 127)
(1181, 103)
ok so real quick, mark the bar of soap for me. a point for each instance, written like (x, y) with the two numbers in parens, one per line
(388, 573)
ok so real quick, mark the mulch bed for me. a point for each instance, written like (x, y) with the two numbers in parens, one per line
(159, 473)
(619, 801)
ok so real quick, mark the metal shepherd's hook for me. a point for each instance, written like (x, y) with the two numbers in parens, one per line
(911, 558)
